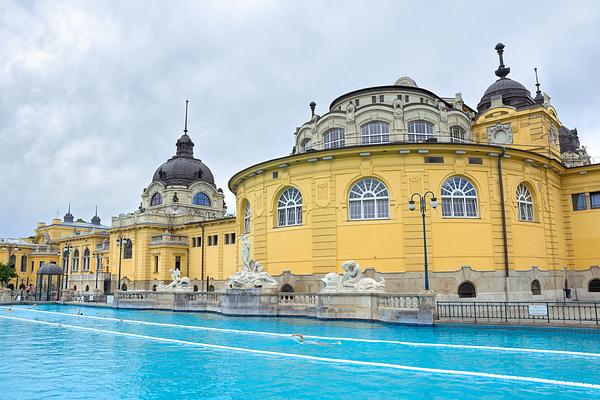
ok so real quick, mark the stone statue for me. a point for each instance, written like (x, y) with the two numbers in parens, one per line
(251, 276)
(351, 281)
(178, 284)
(175, 198)
(350, 109)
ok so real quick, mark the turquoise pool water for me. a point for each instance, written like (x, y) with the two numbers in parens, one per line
(49, 352)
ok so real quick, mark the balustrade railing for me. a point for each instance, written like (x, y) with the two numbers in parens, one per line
(168, 238)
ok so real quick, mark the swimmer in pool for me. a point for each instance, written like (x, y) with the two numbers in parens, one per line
(301, 340)
(9, 309)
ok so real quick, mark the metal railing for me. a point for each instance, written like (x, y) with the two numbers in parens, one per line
(545, 312)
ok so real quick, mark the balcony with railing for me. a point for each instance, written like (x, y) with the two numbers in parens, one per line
(168, 239)
(104, 246)
(45, 250)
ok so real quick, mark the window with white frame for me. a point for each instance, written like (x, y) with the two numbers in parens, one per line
(86, 260)
(333, 138)
(368, 199)
(458, 134)
(375, 132)
(459, 198)
(289, 208)
(419, 131)
(247, 217)
(524, 203)
(75, 262)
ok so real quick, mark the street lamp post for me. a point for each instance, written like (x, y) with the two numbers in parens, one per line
(423, 205)
(120, 243)
(66, 254)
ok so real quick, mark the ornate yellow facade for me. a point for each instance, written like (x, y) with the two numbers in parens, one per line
(519, 204)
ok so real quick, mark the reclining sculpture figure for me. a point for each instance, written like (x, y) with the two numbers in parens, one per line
(351, 281)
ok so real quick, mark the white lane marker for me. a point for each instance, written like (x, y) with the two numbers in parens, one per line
(321, 359)
(346, 339)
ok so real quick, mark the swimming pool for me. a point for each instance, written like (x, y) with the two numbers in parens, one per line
(51, 352)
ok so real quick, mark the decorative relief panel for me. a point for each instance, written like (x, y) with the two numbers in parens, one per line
(500, 134)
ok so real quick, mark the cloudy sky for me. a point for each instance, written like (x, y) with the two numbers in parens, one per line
(92, 92)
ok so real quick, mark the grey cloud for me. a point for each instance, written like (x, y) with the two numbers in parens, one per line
(93, 92)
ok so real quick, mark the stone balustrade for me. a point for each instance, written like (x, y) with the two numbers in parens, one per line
(45, 250)
(169, 239)
(104, 246)
(399, 308)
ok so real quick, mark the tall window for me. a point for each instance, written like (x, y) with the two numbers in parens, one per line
(419, 131)
(375, 132)
(289, 208)
(333, 138)
(579, 201)
(247, 217)
(75, 263)
(23, 263)
(156, 199)
(459, 198)
(524, 203)
(12, 261)
(127, 248)
(536, 288)
(155, 264)
(458, 134)
(595, 199)
(86, 260)
(368, 199)
(201, 199)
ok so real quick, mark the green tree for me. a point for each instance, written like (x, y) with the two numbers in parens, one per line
(7, 272)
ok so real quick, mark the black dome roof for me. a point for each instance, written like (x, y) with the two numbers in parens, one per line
(513, 93)
(183, 168)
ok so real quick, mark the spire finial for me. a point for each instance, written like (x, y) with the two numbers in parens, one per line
(69, 208)
(185, 129)
(539, 97)
(502, 70)
(96, 211)
(96, 218)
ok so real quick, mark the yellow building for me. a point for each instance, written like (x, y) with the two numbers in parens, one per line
(518, 203)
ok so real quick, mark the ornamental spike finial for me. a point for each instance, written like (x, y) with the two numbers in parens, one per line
(502, 70)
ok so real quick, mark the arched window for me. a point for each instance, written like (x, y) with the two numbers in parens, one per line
(156, 199)
(12, 261)
(536, 288)
(524, 203)
(124, 287)
(594, 285)
(368, 199)
(306, 144)
(466, 290)
(419, 131)
(195, 288)
(287, 288)
(154, 288)
(127, 249)
(289, 208)
(75, 263)
(211, 288)
(86, 260)
(334, 138)
(87, 288)
(459, 198)
(458, 134)
(247, 217)
(23, 263)
(201, 199)
(375, 132)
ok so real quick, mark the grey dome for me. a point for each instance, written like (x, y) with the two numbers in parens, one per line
(183, 168)
(50, 269)
(513, 94)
